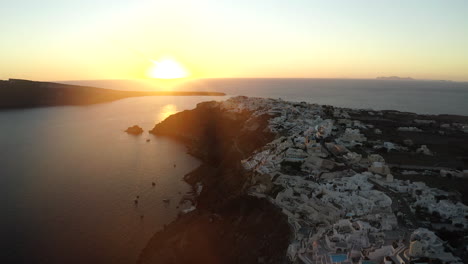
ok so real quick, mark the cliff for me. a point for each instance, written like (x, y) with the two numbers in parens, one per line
(308, 166)
(228, 226)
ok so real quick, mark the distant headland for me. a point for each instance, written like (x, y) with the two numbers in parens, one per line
(395, 78)
(17, 93)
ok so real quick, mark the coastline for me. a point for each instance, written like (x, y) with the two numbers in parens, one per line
(225, 137)
(18, 94)
(215, 226)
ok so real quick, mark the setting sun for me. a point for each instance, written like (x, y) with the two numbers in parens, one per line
(167, 69)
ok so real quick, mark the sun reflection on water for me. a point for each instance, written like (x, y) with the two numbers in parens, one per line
(166, 111)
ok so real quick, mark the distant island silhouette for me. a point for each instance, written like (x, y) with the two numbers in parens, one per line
(18, 93)
(395, 78)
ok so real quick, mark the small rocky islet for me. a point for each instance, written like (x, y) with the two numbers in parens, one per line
(287, 181)
(134, 130)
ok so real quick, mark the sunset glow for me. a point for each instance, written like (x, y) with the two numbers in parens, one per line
(212, 39)
(220, 131)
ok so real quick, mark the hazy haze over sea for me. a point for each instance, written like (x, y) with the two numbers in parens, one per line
(423, 97)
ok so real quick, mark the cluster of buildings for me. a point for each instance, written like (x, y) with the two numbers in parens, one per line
(424, 244)
(438, 203)
(340, 203)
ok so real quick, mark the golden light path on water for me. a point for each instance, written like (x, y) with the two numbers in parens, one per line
(166, 111)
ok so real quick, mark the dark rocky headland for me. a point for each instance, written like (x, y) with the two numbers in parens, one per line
(228, 226)
(15, 93)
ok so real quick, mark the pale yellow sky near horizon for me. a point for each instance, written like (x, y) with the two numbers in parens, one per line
(75, 40)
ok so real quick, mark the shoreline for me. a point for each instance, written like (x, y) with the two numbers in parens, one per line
(229, 179)
(22, 94)
(214, 226)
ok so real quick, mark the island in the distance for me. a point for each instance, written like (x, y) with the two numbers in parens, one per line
(17, 93)
(395, 78)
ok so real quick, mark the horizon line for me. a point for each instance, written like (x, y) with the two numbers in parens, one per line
(291, 78)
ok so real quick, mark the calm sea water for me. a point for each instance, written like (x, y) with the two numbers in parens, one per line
(69, 176)
(424, 97)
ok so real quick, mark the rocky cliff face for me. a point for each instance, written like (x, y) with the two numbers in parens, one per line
(228, 226)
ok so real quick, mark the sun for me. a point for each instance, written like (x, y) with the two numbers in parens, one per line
(167, 69)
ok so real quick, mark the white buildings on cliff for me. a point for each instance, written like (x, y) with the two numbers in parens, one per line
(337, 214)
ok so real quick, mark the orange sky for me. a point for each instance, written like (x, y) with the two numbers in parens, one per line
(62, 40)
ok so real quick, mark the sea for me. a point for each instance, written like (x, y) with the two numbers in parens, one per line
(69, 175)
(423, 97)
(418, 96)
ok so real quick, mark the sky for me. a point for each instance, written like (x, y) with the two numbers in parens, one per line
(51, 40)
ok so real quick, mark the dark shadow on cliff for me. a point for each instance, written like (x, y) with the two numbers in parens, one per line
(228, 226)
